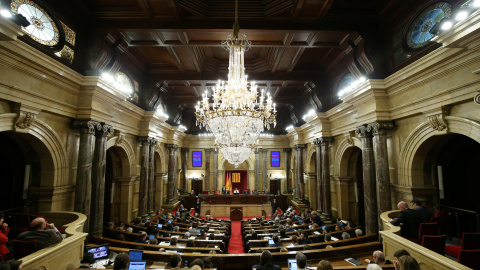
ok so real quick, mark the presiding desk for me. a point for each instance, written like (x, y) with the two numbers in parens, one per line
(220, 205)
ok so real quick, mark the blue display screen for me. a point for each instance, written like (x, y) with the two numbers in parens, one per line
(275, 159)
(197, 159)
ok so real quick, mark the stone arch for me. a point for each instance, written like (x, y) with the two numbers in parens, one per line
(161, 166)
(250, 162)
(310, 151)
(126, 156)
(420, 134)
(49, 146)
(342, 155)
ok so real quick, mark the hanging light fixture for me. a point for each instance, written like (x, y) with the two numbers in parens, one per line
(236, 115)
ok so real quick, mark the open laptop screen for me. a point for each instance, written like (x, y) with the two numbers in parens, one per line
(135, 255)
(99, 252)
(292, 264)
(141, 265)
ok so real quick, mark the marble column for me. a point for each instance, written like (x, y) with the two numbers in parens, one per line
(172, 173)
(379, 131)
(299, 187)
(98, 179)
(257, 169)
(371, 215)
(325, 179)
(318, 166)
(215, 170)
(151, 175)
(208, 153)
(83, 186)
(264, 169)
(286, 153)
(185, 153)
(144, 170)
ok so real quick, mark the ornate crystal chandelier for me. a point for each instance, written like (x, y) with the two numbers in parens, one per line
(236, 116)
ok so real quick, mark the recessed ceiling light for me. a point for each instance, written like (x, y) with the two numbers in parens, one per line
(461, 15)
(447, 25)
(5, 13)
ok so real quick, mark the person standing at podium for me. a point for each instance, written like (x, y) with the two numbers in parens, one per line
(274, 206)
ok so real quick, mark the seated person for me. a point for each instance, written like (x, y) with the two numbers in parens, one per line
(121, 261)
(45, 233)
(303, 239)
(378, 258)
(266, 262)
(142, 239)
(301, 260)
(236, 191)
(3, 236)
(176, 261)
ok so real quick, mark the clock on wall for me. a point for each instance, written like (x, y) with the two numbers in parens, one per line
(418, 34)
(43, 29)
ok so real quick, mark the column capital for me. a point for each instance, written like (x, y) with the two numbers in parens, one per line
(362, 131)
(287, 149)
(172, 147)
(299, 146)
(87, 126)
(209, 150)
(105, 130)
(379, 128)
(185, 150)
(152, 141)
(325, 141)
(263, 150)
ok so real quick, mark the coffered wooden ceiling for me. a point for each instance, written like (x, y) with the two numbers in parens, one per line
(296, 46)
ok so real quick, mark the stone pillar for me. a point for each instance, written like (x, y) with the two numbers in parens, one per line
(264, 169)
(83, 187)
(257, 169)
(98, 179)
(215, 170)
(286, 153)
(172, 173)
(151, 175)
(299, 187)
(371, 214)
(185, 153)
(325, 179)
(379, 131)
(144, 170)
(208, 153)
(318, 166)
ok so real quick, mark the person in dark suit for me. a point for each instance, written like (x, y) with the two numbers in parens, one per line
(409, 220)
(45, 233)
(224, 190)
(266, 262)
(424, 212)
(274, 205)
(198, 204)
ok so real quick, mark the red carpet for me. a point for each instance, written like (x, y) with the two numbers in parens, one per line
(236, 243)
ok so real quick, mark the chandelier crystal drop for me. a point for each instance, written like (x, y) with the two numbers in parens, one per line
(236, 114)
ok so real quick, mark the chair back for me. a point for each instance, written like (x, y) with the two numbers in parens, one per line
(24, 248)
(427, 229)
(470, 258)
(435, 243)
(470, 241)
(435, 219)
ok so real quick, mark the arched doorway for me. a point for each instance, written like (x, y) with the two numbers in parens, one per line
(115, 166)
(351, 170)
(455, 156)
(25, 162)
(312, 189)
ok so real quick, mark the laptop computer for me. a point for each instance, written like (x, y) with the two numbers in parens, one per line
(151, 237)
(100, 254)
(160, 226)
(135, 255)
(137, 265)
(271, 243)
(292, 264)
(353, 261)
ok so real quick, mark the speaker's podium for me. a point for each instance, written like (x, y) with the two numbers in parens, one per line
(236, 213)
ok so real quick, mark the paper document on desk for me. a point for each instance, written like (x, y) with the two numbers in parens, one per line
(315, 232)
(158, 265)
(175, 236)
(163, 243)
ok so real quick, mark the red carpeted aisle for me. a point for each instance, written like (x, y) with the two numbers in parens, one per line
(236, 243)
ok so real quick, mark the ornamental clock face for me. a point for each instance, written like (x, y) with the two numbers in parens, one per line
(42, 28)
(418, 34)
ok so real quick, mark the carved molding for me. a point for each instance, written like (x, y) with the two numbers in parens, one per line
(120, 137)
(436, 119)
(88, 126)
(362, 131)
(24, 120)
(348, 137)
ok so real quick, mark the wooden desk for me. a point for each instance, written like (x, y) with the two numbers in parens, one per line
(243, 199)
(236, 213)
